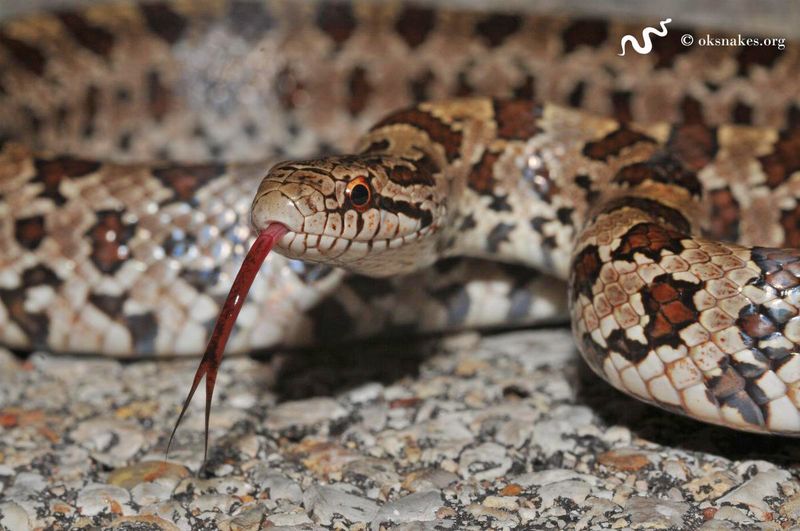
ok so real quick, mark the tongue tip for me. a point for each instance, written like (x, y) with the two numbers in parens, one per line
(212, 358)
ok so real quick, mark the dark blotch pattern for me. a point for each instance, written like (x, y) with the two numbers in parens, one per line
(34, 325)
(336, 19)
(662, 167)
(250, 20)
(612, 144)
(495, 29)
(517, 119)
(164, 21)
(414, 24)
(584, 32)
(670, 305)
(26, 55)
(724, 224)
(498, 235)
(694, 145)
(585, 269)
(108, 238)
(360, 90)
(93, 38)
(481, 178)
(649, 240)
(437, 130)
(783, 160)
(653, 208)
(186, 180)
(50, 173)
(29, 232)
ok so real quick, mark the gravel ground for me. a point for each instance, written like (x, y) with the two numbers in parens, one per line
(467, 432)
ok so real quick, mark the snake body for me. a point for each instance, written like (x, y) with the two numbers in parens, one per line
(629, 199)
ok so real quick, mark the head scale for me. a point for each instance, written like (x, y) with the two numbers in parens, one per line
(373, 214)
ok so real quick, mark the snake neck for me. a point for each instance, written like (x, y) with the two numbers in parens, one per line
(518, 180)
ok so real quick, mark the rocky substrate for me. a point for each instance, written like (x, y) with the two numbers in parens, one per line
(467, 432)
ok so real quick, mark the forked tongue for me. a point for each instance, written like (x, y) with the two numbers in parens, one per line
(212, 358)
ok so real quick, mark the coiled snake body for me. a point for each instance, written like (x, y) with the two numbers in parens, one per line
(632, 209)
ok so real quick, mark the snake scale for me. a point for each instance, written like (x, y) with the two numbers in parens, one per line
(136, 136)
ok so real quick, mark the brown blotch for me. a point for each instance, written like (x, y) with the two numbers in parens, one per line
(29, 232)
(186, 180)
(585, 269)
(666, 49)
(670, 305)
(613, 143)
(109, 238)
(28, 56)
(481, 177)
(50, 173)
(406, 176)
(527, 89)
(695, 145)
(724, 224)
(35, 326)
(159, 96)
(648, 239)
(784, 159)
(414, 24)
(360, 90)
(742, 114)
(163, 21)
(654, 208)
(517, 119)
(691, 111)
(621, 104)
(420, 86)
(91, 106)
(438, 131)
(662, 167)
(93, 38)
(750, 56)
(584, 32)
(336, 19)
(495, 29)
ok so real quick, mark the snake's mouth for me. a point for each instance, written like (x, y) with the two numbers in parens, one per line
(336, 250)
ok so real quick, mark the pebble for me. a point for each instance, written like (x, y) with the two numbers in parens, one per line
(277, 486)
(484, 462)
(650, 513)
(325, 502)
(13, 517)
(417, 507)
(487, 435)
(95, 499)
(147, 471)
(753, 492)
(303, 414)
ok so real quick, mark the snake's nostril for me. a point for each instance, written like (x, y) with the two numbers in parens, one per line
(276, 207)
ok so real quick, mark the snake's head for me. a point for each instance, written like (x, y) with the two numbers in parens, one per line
(374, 215)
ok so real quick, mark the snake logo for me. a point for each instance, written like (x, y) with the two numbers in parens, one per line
(648, 45)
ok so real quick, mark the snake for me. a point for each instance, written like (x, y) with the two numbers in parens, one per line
(504, 168)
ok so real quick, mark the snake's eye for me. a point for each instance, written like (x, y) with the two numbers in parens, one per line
(359, 193)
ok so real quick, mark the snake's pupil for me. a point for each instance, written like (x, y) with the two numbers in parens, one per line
(359, 195)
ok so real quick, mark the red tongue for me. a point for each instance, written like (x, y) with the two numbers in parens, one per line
(212, 358)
